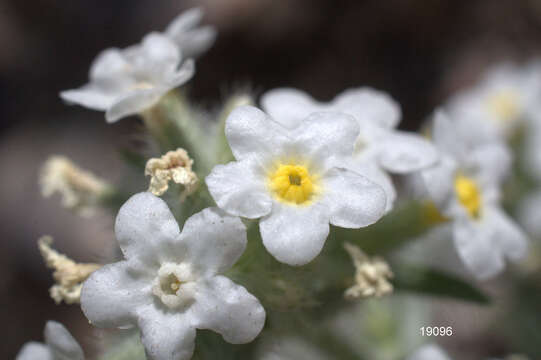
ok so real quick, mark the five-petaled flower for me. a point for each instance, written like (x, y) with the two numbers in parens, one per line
(168, 285)
(128, 81)
(379, 147)
(295, 180)
(506, 98)
(465, 185)
(59, 345)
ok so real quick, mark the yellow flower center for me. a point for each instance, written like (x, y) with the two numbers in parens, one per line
(468, 195)
(504, 105)
(292, 184)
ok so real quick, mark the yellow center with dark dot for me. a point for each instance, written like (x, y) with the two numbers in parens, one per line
(292, 184)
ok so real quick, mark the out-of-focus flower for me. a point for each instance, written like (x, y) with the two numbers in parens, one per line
(294, 180)
(505, 97)
(168, 284)
(465, 186)
(68, 274)
(128, 81)
(59, 345)
(192, 39)
(174, 165)
(379, 147)
(429, 352)
(289, 348)
(371, 275)
(80, 189)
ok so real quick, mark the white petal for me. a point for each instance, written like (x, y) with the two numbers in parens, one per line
(353, 200)
(158, 54)
(145, 228)
(404, 153)
(111, 295)
(192, 40)
(90, 96)
(195, 42)
(373, 172)
(227, 308)
(508, 237)
(251, 133)
(34, 351)
(62, 344)
(185, 21)
(445, 136)
(326, 136)
(182, 75)
(134, 103)
(214, 241)
(295, 234)
(239, 188)
(492, 162)
(368, 105)
(108, 64)
(289, 106)
(166, 335)
(480, 246)
(429, 352)
(439, 181)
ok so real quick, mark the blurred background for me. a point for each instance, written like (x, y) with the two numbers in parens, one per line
(418, 51)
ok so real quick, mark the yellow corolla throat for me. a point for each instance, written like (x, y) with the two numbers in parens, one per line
(504, 105)
(468, 195)
(293, 184)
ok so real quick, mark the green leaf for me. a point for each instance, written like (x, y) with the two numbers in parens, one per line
(436, 283)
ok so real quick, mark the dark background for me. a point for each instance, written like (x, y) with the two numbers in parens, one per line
(418, 51)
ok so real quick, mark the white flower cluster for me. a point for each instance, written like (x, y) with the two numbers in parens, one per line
(299, 167)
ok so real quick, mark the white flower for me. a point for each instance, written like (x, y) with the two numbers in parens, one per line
(379, 147)
(59, 345)
(128, 81)
(168, 284)
(465, 186)
(506, 96)
(191, 39)
(429, 352)
(292, 179)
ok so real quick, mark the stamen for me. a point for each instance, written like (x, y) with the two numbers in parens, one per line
(294, 179)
